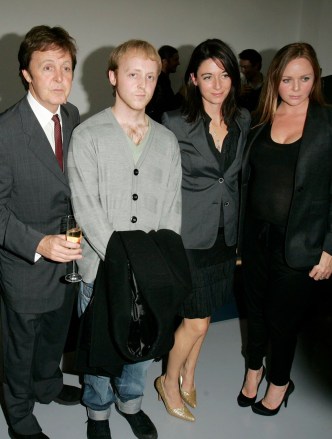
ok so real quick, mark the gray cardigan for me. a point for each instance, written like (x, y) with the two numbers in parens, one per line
(110, 192)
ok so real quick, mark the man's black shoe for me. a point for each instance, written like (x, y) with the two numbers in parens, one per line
(141, 424)
(98, 429)
(14, 435)
(69, 395)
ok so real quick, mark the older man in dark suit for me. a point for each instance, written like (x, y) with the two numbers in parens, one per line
(34, 197)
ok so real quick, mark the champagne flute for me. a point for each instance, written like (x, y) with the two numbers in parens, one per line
(73, 234)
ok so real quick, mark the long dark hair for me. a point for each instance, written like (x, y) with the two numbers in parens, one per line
(221, 53)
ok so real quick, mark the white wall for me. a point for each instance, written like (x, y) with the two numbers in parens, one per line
(100, 25)
(316, 28)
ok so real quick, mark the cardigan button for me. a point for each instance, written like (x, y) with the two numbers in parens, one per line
(133, 219)
(136, 171)
(135, 197)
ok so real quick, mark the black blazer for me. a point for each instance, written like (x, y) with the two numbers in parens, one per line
(34, 195)
(161, 269)
(203, 187)
(309, 226)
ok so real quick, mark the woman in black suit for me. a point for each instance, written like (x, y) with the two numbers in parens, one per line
(287, 238)
(211, 131)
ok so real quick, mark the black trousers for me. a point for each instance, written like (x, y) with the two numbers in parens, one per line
(278, 299)
(32, 350)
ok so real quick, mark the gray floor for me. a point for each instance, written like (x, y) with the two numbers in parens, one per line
(219, 377)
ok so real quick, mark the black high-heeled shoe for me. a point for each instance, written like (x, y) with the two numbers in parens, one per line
(260, 409)
(245, 401)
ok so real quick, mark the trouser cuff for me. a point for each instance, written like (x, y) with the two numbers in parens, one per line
(130, 407)
(99, 415)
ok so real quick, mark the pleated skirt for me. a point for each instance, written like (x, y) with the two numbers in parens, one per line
(212, 273)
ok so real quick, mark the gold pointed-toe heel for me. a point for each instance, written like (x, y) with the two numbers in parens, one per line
(179, 412)
(189, 397)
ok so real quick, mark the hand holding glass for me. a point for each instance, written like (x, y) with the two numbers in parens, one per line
(73, 234)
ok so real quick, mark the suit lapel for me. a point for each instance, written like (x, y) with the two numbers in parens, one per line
(237, 162)
(313, 130)
(38, 142)
(246, 153)
(197, 136)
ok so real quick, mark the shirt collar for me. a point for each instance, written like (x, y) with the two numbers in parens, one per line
(42, 114)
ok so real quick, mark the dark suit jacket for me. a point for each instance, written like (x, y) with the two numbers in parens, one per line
(309, 227)
(203, 187)
(163, 98)
(161, 269)
(34, 195)
(327, 88)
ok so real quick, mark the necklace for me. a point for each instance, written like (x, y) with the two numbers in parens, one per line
(218, 138)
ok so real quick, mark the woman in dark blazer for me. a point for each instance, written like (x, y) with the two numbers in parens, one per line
(287, 234)
(211, 131)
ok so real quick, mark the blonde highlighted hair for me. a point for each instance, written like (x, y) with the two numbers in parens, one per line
(269, 99)
(139, 46)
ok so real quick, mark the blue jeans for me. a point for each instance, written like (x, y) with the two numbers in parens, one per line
(100, 392)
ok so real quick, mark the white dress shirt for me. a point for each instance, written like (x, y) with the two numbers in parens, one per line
(44, 117)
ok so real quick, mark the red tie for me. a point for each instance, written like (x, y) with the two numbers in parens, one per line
(58, 140)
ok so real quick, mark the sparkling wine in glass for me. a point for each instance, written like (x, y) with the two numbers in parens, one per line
(73, 234)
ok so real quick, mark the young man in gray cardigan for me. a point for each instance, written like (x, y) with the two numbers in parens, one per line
(125, 174)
